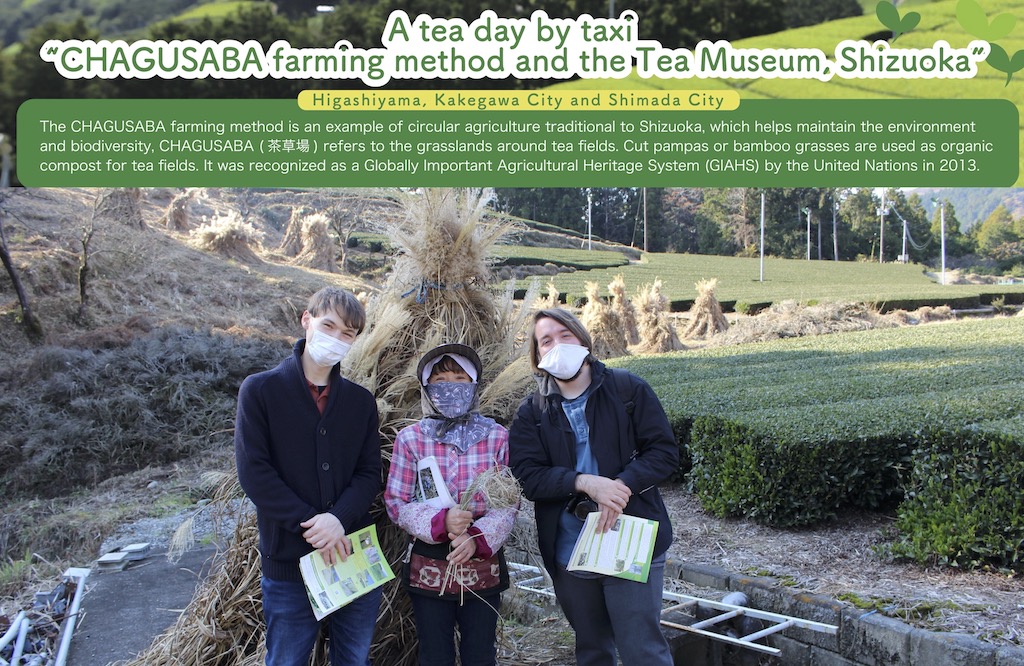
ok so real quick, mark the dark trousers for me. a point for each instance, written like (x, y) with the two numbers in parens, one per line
(610, 614)
(436, 620)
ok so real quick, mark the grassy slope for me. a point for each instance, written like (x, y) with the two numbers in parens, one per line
(938, 21)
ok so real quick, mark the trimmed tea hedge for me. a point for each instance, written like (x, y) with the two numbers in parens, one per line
(787, 432)
(964, 505)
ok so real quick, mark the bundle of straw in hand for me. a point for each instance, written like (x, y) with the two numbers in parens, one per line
(500, 490)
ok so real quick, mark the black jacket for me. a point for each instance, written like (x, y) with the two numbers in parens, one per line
(640, 450)
(294, 463)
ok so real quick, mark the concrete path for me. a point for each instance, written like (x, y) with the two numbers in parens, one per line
(123, 611)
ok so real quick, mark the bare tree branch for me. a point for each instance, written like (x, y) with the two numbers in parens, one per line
(33, 326)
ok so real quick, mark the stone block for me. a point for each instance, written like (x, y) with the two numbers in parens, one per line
(816, 608)
(701, 574)
(1009, 655)
(946, 649)
(873, 639)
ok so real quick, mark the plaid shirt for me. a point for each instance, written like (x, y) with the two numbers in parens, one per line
(427, 523)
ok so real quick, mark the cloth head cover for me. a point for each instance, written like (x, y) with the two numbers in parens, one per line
(465, 357)
(466, 429)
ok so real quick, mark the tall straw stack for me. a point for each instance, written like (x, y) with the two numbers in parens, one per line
(291, 245)
(656, 332)
(319, 250)
(603, 324)
(706, 316)
(624, 308)
(176, 217)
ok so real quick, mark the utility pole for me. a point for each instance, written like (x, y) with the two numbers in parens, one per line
(903, 257)
(590, 205)
(942, 229)
(762, 236)
(808, 212)
(835, 228)
(645, 218)
(881, 230)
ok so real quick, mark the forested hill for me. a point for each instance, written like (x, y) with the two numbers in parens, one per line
(975, 204)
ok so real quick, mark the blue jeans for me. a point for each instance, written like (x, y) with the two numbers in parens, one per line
(292, 628)
(612, 614)
(436, 618)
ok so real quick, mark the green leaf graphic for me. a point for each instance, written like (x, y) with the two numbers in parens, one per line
(1001, 61)
(973, 19)
(890, 18)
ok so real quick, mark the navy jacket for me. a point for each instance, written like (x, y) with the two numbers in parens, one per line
(641, 451)
(294, 463)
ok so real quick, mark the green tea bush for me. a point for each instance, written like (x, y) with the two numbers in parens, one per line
(964, 506)
(71, 418)
(741, 471)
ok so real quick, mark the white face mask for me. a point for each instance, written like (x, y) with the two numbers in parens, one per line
(325, 350)
(564, 360)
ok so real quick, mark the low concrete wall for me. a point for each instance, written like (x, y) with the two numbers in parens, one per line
(863, 638)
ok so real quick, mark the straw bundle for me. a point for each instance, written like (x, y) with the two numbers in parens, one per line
(706, 317)
(656, 332)
(551, 300)
(318, 247)
(291, 246)
(603, 324)
(500, 490)
(176, 217)
(229, 236)
(121, 204)
(624, 308)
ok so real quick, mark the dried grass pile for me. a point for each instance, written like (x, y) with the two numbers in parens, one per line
(923, 315)
(291, 246)
(176, 217)
(319, 250)
(121, 204)
(706, 316)
(551, 300)
(439, 292)
(657, 335)
(230, 237)
(604, 325)
(789, 319)
(624, 308)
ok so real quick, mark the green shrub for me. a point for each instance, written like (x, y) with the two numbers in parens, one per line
(740, 471)
(964, 505)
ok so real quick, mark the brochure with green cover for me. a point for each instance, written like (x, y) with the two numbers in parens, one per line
(331, 587)
(624, 551)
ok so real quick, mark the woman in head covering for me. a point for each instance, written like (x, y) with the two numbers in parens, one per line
(455, 571)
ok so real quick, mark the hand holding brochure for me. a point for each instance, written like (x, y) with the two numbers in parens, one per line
(331, 587)
(624, 551)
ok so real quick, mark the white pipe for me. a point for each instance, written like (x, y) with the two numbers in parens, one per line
(19, 645)
(69, 628)
(12, 631)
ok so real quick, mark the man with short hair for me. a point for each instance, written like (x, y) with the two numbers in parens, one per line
(307, 449)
